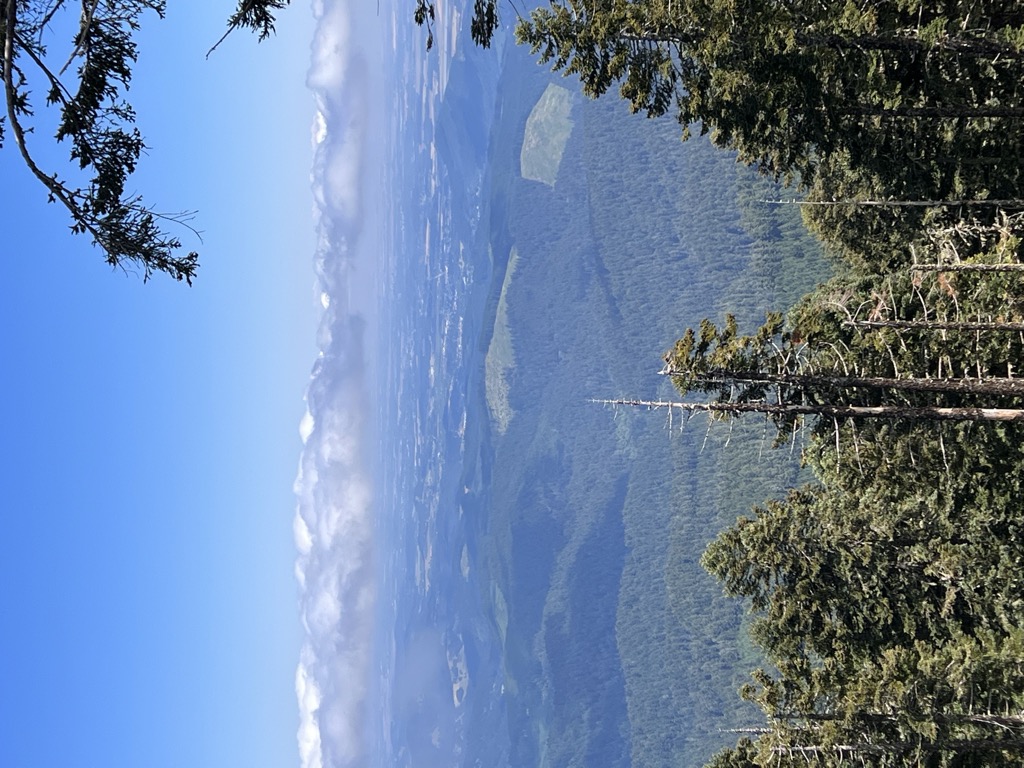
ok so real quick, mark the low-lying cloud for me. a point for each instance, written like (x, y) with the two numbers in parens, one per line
(334, 524)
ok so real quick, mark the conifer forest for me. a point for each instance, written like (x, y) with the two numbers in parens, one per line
(885, 588)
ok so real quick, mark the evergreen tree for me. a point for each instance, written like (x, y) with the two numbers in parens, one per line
(96, 120)
(789, 84)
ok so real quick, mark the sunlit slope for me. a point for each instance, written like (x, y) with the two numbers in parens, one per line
(500, 360)
(620, 650)
(547, 131)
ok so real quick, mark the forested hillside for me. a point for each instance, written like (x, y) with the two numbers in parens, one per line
(885, 591)
(881, 584)
(621, 649)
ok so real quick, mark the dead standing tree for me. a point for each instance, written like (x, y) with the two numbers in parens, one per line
(911, 347)
(775, 373)
(746, 369)
(935, 413)
(970, 311)
(973, 246)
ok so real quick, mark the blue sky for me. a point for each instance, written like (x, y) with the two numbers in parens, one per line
(150, 437)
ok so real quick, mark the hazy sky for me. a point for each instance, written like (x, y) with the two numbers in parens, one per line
(150, 437)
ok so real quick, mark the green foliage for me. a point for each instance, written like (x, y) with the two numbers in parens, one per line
(792, 86)
(714, 360)
(482, 26)
(257, 16)
(93, 115)
(886, 594)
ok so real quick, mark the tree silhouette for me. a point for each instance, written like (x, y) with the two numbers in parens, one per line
(96, 120)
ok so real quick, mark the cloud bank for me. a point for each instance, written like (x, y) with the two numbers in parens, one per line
(334, 524)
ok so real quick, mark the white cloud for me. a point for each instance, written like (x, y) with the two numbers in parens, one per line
(319, 129)
(334, 537)
(331, 52)
(303, 538)
(309, 732)
(334, 522)
(306, 426)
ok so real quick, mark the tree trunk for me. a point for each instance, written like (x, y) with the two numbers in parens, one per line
(967, 386)
(937, 325)
(893, 412)
(1011, 203)
(969, 746)
(935, 112)
(967, 268)
(1000, 721)
(969, 46)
